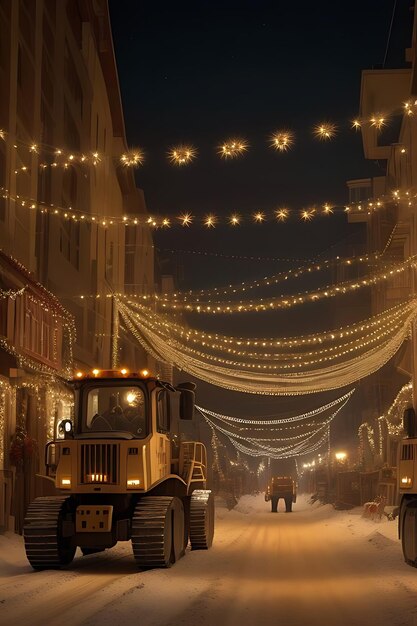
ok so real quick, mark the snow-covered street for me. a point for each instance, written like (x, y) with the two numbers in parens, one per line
(313, 566)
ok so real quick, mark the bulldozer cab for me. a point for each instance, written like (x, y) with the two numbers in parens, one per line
(118, 407)
(113, 405)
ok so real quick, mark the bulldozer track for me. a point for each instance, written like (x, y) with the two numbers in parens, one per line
(153, 535)
(45, 548)
(201, 519)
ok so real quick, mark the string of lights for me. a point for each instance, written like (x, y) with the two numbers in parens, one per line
(392, 417)
(298, 441)
(278, 358)
(394, 414)
(268, 281)
(5, 389)
(266, 450)
(280, 140)
(280, 382)
(279, 421)
(166, 324)
(235, 257)
(216, 307)
(11, 294)
(279, 455)
(209, 220)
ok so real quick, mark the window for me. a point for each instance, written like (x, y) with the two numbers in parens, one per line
(117, 408)
(163, 412)
(407, 453)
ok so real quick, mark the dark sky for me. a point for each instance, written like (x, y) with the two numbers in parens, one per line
(203, 71)
(200, 72)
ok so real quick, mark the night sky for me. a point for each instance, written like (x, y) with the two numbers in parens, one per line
(201, 72)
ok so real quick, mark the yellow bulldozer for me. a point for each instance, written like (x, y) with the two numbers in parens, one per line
(121, 472)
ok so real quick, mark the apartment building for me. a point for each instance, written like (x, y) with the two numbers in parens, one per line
(388, 115)
(65, 248)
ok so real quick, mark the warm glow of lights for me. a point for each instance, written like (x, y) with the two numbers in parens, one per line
(79, 374)
(33, 148)
(378, 121)
(327, 209)
(356, 124)
(166, 222)
(282, 140)
(124, 371)
(131, 397)
(406, 481)
(186, 219)
(96, 372)
(325, 131)
(2, 134)
(234, 219)
(210, 221)
(134, 158)
(233, 148)
(145, 373)
(182, 154)
(307, 214)
(340, 456)
(133, 482)
(282, 214)
(259, 217)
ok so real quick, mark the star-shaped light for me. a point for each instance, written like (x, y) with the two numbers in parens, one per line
(133, 158)
(234, 219)
(182, 155)
(185, 219)
(325, 131)
(259, 217)
(282, 140)
(210, 221)
(233, 148)
(282, 214)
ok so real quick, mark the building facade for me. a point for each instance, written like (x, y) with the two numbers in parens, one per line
(65, 248)
(387, 205)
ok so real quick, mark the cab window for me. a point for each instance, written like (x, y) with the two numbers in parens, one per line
(162, 423)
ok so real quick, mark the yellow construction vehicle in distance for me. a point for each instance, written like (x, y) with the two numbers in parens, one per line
(281, 487)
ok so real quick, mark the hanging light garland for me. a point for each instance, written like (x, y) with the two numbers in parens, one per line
(5, 389)
(202, 295)
(183, 154)
(238, 345)
(279, 421)
(216, 307)
(277, 359)
(274, 279)
(394, 414)
(304, 381)
(276, 454)
(300, 444)
(211, 220)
